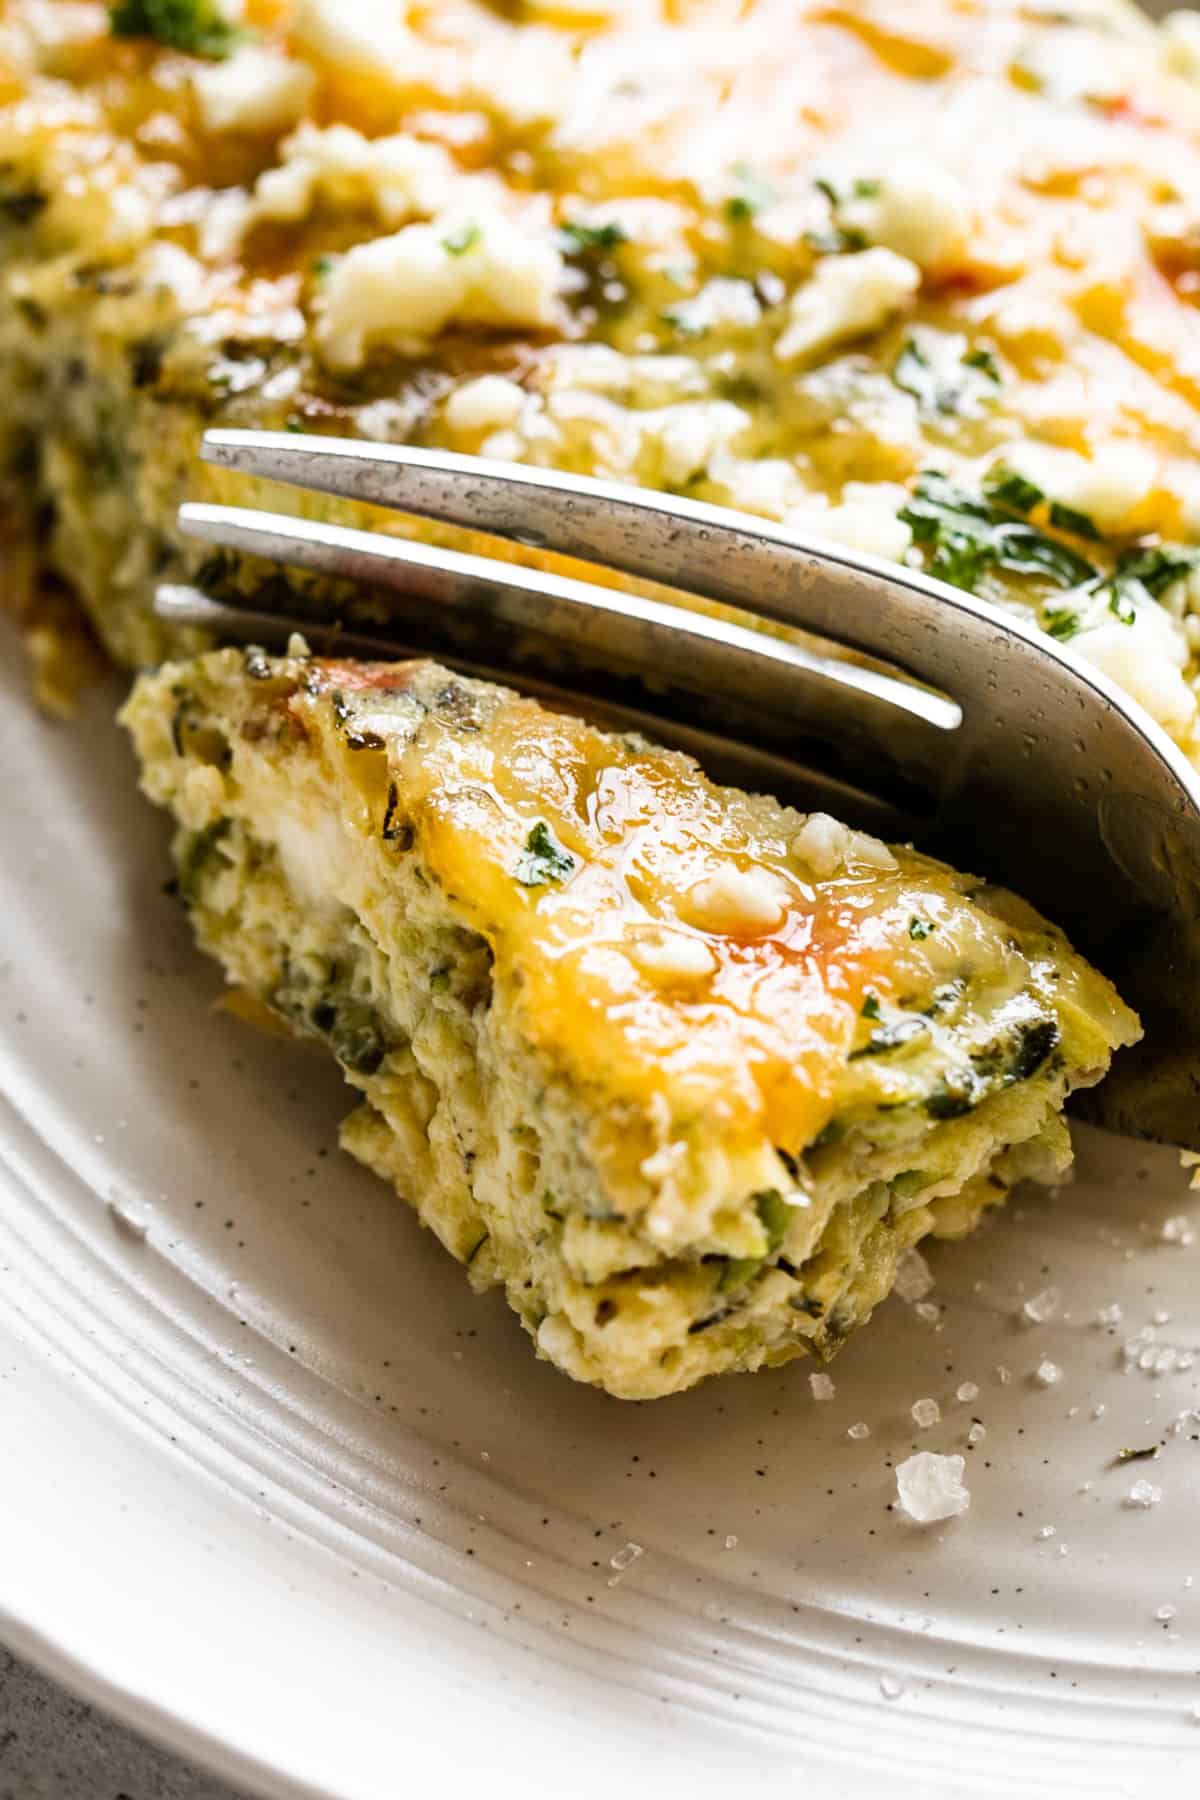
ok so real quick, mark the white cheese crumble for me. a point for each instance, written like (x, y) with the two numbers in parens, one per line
(1146, 657)
(847, 296)
(745, 902)
(669, 956)
(866, 518)
(488, 403)
(256, 90)
(355, 34)
(402, 290)
(916, 207)
(930, 1487)
(397, 178)
(821, 844)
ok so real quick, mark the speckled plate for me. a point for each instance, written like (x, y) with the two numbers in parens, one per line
(281, 1492)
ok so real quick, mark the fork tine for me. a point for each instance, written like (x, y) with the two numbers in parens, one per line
(878, 714)
(754, 564)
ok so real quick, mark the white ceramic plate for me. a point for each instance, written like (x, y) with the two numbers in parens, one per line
(280, 1491)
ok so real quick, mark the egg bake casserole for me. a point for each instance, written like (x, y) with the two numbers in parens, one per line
(683, 1070)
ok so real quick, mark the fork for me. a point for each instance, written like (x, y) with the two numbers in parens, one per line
(824, 675)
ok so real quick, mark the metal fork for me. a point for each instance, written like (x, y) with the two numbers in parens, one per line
(874, 691)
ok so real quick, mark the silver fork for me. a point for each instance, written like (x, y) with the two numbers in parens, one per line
(889, 698)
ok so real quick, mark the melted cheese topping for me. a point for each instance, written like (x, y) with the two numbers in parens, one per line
(782, 255)
(664, 940)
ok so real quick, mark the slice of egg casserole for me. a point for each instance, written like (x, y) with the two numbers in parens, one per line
(920, 277)
(683, 1070)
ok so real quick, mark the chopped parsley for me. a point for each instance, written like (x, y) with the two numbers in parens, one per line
(920, 929)
(985, 361)
(576, 239)
(543, 860)
(197, 26)
(1007, 488)
(1065, 518)
(968, 534)
(870, 1007)
(1061, 622)
(1128, 1456)
(462, 240)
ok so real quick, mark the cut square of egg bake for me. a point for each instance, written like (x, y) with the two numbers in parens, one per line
(683, 1070)
(920, 277)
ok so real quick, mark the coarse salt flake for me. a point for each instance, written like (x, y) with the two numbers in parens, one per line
(1041, 1307)
(891, 1687)
(930, 1487)
(967, 1391)
(1047, 1373)
(976, 1434)
(625, 1557)
(859, 1431)
(1178, 1230)
(822, 1387)
(926, 1413)
(1143, 1494)
(914, 1278)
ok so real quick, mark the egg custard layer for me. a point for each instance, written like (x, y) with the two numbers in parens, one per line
(920, 278)
(683, 1070)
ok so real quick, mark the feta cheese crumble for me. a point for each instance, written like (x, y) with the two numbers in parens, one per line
(930, 1487)
(917, 207)
(401, 291)
(846, 297)
(255, 91)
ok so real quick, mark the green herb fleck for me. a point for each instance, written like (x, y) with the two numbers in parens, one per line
(1128, 1456)
(197, 26)
(1120, 604)
(1061, 622)
(1006, 488)
(543, 860)
(578, 239)
(870, 1007)
(1065, 518)
(753, 194)
(939, 379)
(985, 361)
(920, 929)
(462, 240)
(967, 535)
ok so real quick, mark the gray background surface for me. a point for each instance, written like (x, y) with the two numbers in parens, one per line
(52, 1747)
